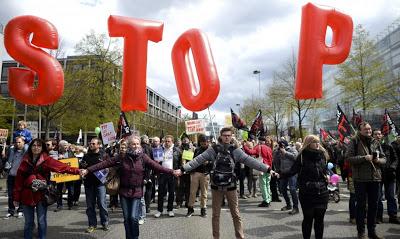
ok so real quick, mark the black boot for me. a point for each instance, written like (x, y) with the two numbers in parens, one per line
(190, 212)
(204, 212)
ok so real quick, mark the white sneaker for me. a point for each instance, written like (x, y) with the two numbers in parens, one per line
(157, 214)
(8, 216)
(171, 214)
(141, 221)
(20, 215)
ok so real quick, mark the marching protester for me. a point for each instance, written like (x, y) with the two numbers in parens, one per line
(14, 159)
(31, 183)
(265, 153)
(171, 159)
(366, 159)
(388, 181)
(284, 157)
(310, 166)
(95, 190)
(223, 156)
(131, 181)
(252, 175)
(198, 177)
(396, 146)
(183, 182)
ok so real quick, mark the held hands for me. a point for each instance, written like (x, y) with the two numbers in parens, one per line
(177, 173)
(83, 172)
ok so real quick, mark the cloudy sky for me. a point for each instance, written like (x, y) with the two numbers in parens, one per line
(245, 35)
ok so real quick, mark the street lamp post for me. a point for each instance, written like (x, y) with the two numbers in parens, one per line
(177, 121)
(257, 72)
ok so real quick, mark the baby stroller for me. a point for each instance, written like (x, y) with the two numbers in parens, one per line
(333, 188)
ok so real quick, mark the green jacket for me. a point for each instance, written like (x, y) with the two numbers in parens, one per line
(362, 170)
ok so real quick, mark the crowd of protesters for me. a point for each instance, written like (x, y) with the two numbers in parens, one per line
(368, 164)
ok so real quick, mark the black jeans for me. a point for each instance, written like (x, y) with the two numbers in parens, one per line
(364, 190)
(77, 190)
(183, 189)
(147, 193)
(166, 183)
(70, 187)
(273, 184)
(310, 215)
(10, 189)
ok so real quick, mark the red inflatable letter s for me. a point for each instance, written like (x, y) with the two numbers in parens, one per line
(313, 52)
(50, 73)
(205, 66)
(136, 33)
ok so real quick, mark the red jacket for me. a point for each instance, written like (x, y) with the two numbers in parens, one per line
(27, 172)
(266, 153)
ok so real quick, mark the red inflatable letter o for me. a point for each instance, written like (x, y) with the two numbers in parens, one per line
(205, 67)
(136, 33)
(313, 52)
(50, 73)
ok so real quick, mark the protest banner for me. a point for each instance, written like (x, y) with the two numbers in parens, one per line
(195, 126)
(3, 134)
(158, 154)
(63, 177)
(187, 155)
(108, 133)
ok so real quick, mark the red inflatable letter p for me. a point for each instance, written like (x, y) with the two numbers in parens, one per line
(313, 52)
(50, 73)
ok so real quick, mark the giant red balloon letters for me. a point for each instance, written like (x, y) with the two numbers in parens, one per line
(50, 73)
(136, 33)
(313, 52)
(205, 66)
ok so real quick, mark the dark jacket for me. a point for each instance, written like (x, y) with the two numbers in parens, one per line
(389, 169)
(91, 159)
(204, 168)
(310, 165)
(283, 163)
(177, 158)
(396, 147)
(131, 172)
(363, 170)
(27, 172)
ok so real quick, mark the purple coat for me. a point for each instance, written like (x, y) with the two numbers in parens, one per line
(131, 172)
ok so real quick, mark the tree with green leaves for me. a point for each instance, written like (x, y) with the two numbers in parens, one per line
(361, 76)
(285, 79)
(273, 108)
(99, 68)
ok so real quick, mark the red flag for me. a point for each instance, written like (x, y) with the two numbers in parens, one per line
(237, 122)
(388, 127)
(324, 134)
(343, 124)
(356, 119)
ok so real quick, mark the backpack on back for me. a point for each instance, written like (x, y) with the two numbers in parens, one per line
(223, 171)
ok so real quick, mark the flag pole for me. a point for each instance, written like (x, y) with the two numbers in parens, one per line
(212, 125)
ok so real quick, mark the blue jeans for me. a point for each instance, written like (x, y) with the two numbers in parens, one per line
(41, 213)
(142, 213)
(292, 182)
(364, 190)
(93, 194)
(390, 195)
(131, 208)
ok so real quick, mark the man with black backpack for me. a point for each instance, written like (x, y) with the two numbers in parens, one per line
(223, 156)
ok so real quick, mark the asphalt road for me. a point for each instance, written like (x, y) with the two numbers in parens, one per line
(258, 223)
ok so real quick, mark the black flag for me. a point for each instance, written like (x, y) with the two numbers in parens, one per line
(123, 129)
(237, 122)
(257, 128)
(343, 125)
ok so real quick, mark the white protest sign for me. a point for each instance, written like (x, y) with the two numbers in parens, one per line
(33, 126)
(108, 133)
(195, 126)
